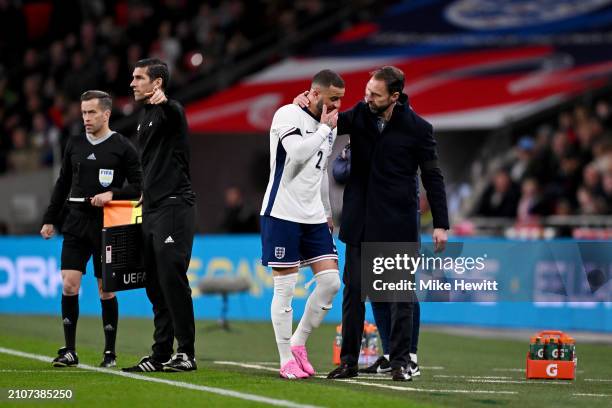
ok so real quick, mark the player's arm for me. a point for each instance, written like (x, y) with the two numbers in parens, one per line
(59, 195)
(301, 149)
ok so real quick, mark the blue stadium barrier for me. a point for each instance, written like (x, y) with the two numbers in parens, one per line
(30, 283)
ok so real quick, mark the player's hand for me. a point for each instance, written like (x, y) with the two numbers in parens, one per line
(156, 97)
(330, 224)
(302, 100)
(101, 199)
(331, 118)
(47, 231)
(439, 238)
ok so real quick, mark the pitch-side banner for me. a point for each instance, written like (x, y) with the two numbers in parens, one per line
(469, 64)
(567, 296)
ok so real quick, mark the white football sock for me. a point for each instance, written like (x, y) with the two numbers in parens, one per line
(282, 314)
(413, 358)
(318, 304)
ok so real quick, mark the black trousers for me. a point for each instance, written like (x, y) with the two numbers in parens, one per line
(168, 238)
(353, 313)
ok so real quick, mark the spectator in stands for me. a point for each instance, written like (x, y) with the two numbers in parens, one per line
(523, 158)
(531, 203)
(500, 198)
(238, 218)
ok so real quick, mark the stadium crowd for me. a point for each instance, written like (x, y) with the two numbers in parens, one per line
(563, 169)
(50, 52)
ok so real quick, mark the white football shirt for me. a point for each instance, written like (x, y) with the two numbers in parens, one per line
(300, 147)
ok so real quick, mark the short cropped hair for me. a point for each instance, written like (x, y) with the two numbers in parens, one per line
(393, 78)
(156, 68)
(104, 100)
(327, 78)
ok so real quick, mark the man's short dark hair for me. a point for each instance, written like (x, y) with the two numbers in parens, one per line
(156, 68)
(327, 78)
(393, 77)
(104, 100)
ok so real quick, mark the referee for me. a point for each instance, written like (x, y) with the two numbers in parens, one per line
(168, 219)
(94, 169)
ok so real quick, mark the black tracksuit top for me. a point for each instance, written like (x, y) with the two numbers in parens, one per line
(90, 168)
(164, 153)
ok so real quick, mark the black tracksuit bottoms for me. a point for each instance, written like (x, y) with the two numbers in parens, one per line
(168, 230)
(353, 313)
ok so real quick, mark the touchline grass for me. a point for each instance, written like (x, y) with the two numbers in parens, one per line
(239, 369)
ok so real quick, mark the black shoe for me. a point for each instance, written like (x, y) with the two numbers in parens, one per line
(65, 358)
(415, 371)
(343, 371)
(380, 366)
(400, 374)
(145, 365)
(180, 362)
(109, 360)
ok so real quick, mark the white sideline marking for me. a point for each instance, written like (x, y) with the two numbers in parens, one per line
(264, 363)
(592, 395)
(380, 377)
(597, 379)
(517, 370)
(180, 384)
(247, 365)
(56, 371)
(520, 382)
(398, 388)
(473, 377)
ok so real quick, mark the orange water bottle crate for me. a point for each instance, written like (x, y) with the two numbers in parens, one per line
(552, 355)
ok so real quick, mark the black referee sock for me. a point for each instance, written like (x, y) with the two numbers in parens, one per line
(70, 315)
(110, 318)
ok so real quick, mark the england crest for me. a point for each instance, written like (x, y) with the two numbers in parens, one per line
(279, 252)
(105, 177)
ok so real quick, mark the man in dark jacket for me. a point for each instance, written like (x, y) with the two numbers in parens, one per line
(168, 219)
(389, 144)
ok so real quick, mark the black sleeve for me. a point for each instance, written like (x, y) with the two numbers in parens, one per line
(133, 173)
(345, 121)
(432, 178)
(173, 113)
(61, 189)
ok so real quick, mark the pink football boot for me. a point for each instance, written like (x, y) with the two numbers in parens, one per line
(292, 371)
(301, 356)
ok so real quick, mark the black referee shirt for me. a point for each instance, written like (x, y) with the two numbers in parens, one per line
(92, 167)
(164, 153)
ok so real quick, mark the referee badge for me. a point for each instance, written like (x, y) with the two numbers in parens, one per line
(105, 177)
(279, 252)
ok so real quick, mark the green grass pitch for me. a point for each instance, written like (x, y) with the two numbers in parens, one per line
(457, 371)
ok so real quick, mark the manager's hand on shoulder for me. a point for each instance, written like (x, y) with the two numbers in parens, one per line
(302, 100)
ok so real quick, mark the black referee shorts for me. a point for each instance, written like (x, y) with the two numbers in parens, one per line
(82, 239)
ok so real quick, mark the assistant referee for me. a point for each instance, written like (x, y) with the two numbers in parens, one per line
(168, 219)
(94, 169)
